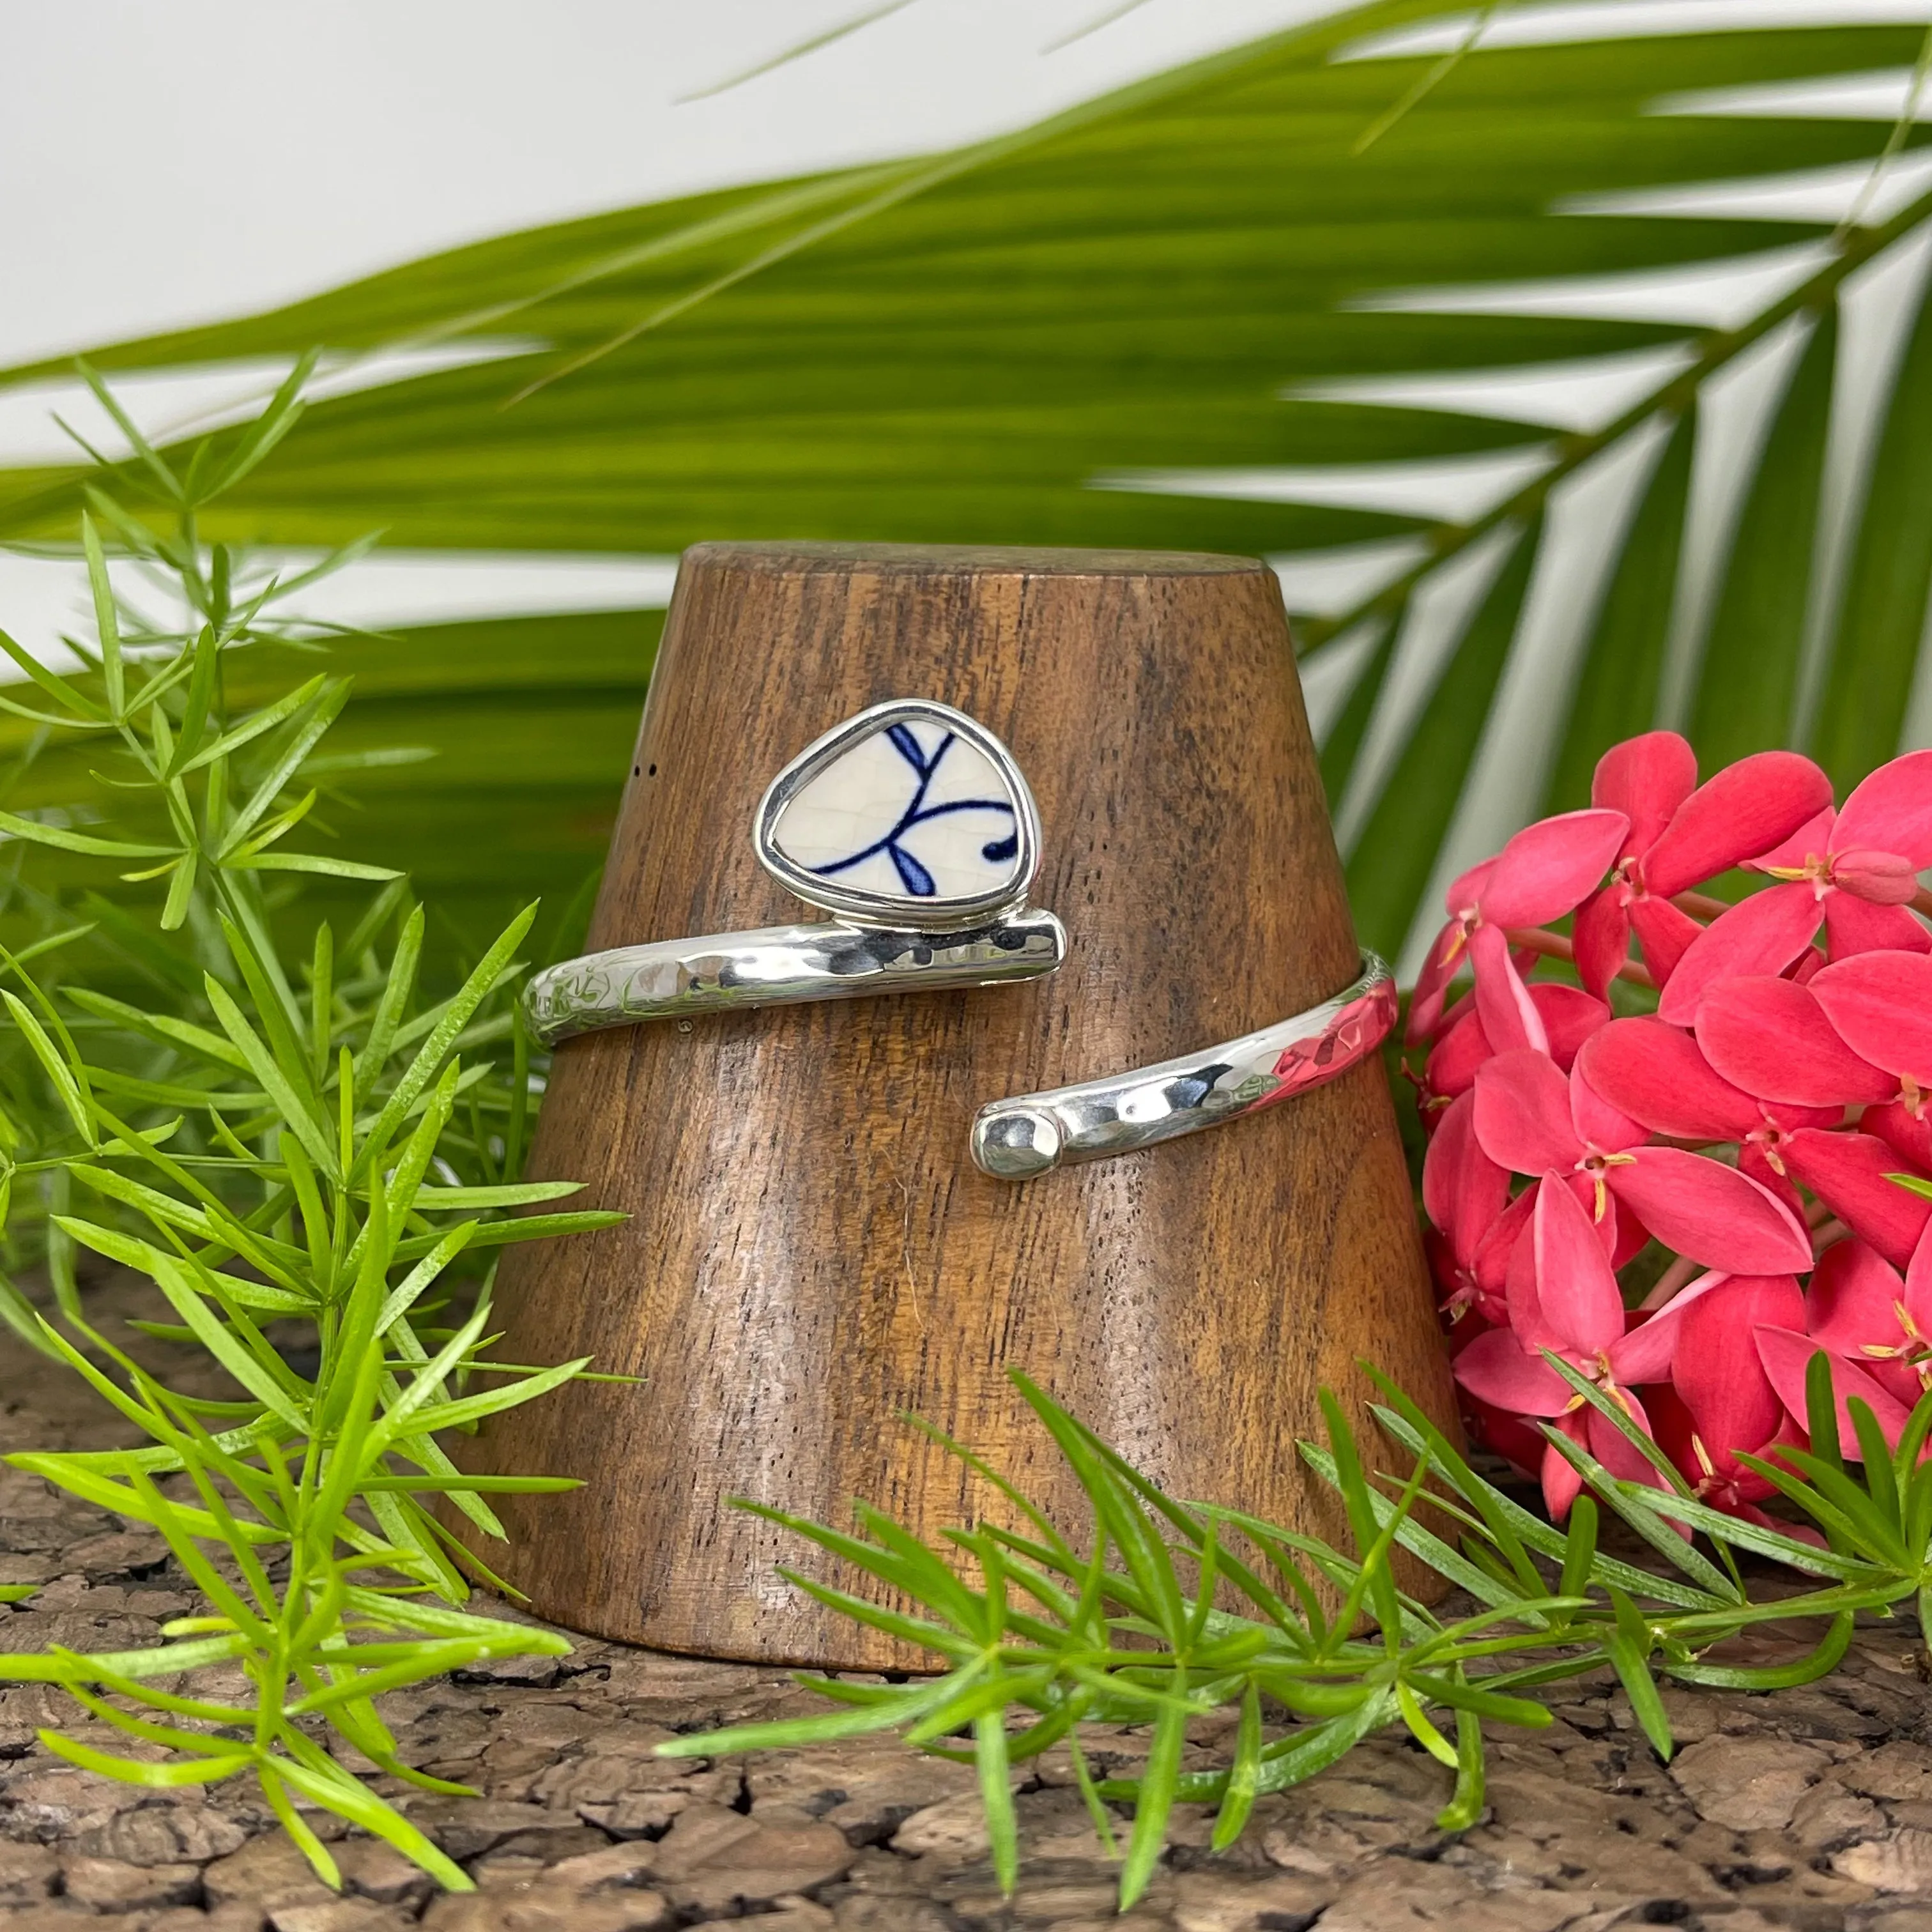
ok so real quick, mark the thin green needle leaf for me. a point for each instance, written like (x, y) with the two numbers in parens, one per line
(252, 727)
(83, 710)
(811, 44)
(170, 1777)
(63, 840)
(138, 443)
(1421, 1728)
(989, 1737)
(888, 1714)
(337, 1792)
(429, 1057)
(73, 1099)
(1629, 1646)
(283, 411)
(1153, 1802)
(1579, 1548)
(106, 622)
(295, 1112)
(1119, 11)
(1465, 1807)
(1826, 1658)
(1242, 1775)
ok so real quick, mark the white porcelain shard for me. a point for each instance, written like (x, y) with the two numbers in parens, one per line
(910, 811)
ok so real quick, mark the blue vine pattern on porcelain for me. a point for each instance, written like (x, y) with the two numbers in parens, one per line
(914, 876)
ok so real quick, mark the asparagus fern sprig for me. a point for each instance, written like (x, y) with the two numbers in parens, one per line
(1162, 1611)
(313, 1153)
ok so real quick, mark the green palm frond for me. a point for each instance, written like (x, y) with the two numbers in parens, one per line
(1148, 322)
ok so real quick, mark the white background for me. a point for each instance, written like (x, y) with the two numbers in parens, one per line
(172, 161)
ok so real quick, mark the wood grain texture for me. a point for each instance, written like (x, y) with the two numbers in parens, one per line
(811, 1250)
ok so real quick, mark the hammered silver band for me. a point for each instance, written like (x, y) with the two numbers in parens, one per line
(783, 966)
(1033, 1133)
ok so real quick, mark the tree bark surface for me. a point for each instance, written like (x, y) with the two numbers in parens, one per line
(810, 1251)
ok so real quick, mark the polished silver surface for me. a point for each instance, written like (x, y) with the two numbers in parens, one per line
(782, 966)
(1033, 1133)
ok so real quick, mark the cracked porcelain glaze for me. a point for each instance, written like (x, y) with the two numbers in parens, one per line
(913, 812)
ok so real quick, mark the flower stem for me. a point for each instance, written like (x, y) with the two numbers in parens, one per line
(1700, 905)
(1557, 945)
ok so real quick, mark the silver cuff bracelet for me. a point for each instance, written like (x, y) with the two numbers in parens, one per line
(912, 825)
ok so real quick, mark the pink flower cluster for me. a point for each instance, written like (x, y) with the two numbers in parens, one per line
(1744, 1100)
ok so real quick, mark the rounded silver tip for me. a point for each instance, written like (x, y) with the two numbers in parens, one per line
(1016, 1145)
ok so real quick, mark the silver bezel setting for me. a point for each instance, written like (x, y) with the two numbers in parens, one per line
(896, 910)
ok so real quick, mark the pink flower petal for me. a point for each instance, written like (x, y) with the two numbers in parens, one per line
(1575, 1289)
(1615, 1450)
(1664, 933)
(1892, 810)
(1745, 809)
(1463, 1190)
(1917, 1298)
(1600, 937)
(1628, 1235)
(1569, 1016)
(1498, 1245)
(1853, 924)
(1646, 779)
(1854, 1300)
(1806, 847)
(1509, 1015)
(1724, 1481)
(1908, 1135)
(1786, 1357)
(1466, 891)
(1623, 1235)
(1763, 934)
(1522, 1113)
(1881, 1005)
(1717, 1369)
(1882, 878)
(1548, 869)
(1644, 1355)
(1847, 1172)
(1598, 1124)
(1526, 1318)
(1451, 1069)
(1432, 983)
(1776, 1040)
(1494, 1369)
(1562, 1482)
(1711, 1213)
(1657, 1075)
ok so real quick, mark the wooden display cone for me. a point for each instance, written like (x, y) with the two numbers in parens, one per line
(811, 1252)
